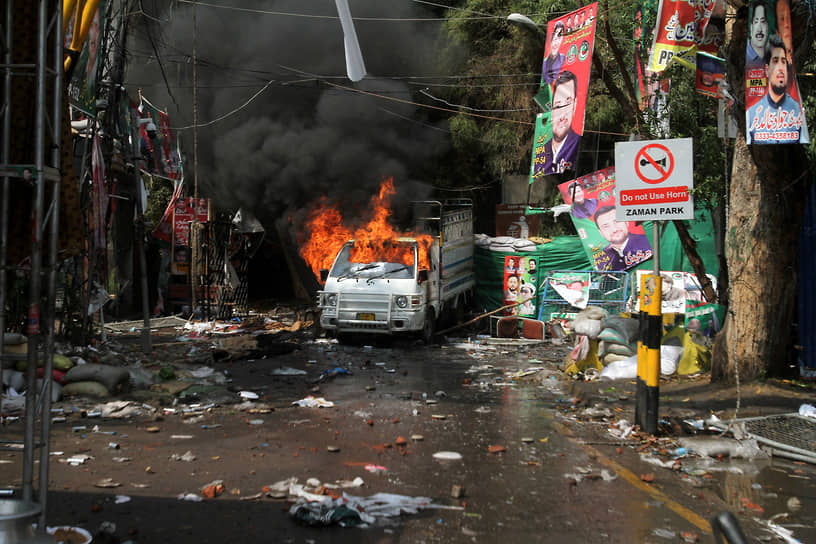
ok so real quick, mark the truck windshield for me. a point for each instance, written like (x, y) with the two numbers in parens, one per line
(390, 263)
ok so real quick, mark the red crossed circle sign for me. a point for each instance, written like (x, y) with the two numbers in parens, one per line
(654, 163)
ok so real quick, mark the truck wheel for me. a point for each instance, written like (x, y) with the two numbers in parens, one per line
(429, 327)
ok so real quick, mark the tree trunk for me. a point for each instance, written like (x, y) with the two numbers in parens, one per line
(764, 210)
(690, 248)
(766, 200)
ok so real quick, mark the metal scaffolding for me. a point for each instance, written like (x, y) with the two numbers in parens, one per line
(39, 176)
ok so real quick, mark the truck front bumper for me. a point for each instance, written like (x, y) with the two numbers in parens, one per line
(397, 322)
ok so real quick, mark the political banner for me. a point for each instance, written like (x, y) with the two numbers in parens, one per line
(652, 88)
(683, 29)
(679, 292)
(710, 73)
(520, 285)
(186, 211)
(572, 287)
(773, 105)
(565, 80)
(158, 148)
(610, 244)
(82, 85)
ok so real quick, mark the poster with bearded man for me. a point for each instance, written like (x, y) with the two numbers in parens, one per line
(773, 104)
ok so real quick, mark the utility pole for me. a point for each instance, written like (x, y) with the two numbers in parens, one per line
(195, 226)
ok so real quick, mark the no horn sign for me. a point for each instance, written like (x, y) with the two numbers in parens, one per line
(654, 179)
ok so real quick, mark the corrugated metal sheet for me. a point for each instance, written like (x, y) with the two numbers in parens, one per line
(807, 287)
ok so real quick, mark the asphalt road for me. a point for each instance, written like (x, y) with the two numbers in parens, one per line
(528, 470)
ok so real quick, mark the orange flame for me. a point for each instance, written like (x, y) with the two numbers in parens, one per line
(375, 240)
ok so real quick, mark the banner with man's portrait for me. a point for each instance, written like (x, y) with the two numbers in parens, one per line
(773, 104)
(564, 81)
(610, 244)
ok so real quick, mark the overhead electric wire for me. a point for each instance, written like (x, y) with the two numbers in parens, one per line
(309, 16)
(403, 101)
(236, 110)
(424, 92)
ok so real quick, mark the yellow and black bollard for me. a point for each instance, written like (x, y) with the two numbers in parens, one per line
(648, 362)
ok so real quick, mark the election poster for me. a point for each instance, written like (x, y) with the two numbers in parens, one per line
(683, 28)
(652, 88)
(773, 105)
(520, 285)
(186, 211)
(610, 244)
(572, 287)
(710, 73)
(679, 292)
(565, 80)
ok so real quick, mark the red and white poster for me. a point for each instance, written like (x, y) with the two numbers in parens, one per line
(773, 105)
(185, 212)
(683, 29)
(565, 78)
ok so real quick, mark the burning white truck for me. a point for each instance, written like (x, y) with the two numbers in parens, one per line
(404, 284)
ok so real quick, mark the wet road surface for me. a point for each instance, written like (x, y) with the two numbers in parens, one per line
(542, 485)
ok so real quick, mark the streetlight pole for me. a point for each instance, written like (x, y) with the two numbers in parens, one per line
(522, 21)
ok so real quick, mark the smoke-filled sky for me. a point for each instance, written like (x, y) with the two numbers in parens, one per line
(301, 137)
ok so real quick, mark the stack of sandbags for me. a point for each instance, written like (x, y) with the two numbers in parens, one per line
(96, 380)
(14, 344)
(523, 244)
(61, 364)
(617, 339)
(503, 244)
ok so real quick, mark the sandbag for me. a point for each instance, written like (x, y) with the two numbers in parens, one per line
(611, 335)
(628, 328)
(613, 358)
(60, 362)
(57, 375)
(594, 312)
(87, 389)
(605, 347)
(586, 326)
(115, 378)
(14, 339)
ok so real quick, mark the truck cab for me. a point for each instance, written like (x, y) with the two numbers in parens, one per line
(402, 286)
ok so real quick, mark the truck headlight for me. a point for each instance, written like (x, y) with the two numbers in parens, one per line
(401, 301)
(331, 299)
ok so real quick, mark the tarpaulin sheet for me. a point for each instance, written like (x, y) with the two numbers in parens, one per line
(564, 252)
(567, 253)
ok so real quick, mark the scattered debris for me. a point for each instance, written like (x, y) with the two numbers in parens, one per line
(313, 402)
(447, 456)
